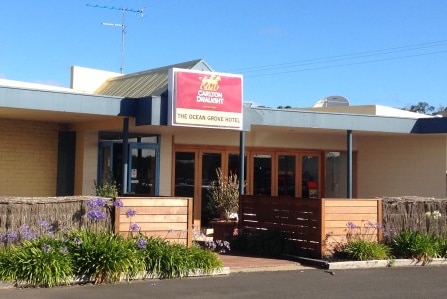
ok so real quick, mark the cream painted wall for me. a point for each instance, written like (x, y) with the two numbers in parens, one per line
(86, 162)
(88, 80)
(401, 165)
(165, 164)
(261, 138)
(206, 137)
(295, 140)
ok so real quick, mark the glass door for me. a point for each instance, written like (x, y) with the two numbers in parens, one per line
(143, 165)
(110, 163)
(142, 170)
(262, 174)
(310, 176)
(184, 174)
(210, 163)
(286, 175)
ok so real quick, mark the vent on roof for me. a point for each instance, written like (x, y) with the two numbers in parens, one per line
(332, 101)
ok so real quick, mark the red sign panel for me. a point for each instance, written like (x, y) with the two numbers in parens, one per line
(206, 99)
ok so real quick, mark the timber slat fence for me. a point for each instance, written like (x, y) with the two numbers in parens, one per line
(314, 226)
(169, 218)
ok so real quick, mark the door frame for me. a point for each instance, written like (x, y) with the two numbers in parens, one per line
(150, 146)
(102, 144)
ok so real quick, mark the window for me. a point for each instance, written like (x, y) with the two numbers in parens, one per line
(262, 172)
(336, 180)
(286, 175)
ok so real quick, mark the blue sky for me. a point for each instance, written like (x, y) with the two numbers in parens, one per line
(290, 52)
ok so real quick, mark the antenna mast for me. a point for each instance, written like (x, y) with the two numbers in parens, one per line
(122, 25)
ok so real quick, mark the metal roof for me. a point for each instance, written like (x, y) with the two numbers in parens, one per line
(147, 83)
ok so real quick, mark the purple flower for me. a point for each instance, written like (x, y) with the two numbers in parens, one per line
(95, 215)
(26, 234)
(10, 237)
(130, 213)
(96, 203)
(351, 225)
(141, 243)
(118, 203)
(44, 224)
(134, 227)
(63, 250)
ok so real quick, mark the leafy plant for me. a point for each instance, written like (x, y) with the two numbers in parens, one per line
(204, 260)
(104, 256)
(224, 194)
(7, 269)
(170, 260)
(441, 246)
(415, 245)
(361, 243)
(41, 262)
(363, 250)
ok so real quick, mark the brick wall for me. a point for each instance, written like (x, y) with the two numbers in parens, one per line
(28, 158)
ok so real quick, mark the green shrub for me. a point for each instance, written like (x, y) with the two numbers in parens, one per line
(7, 269)
(176, 262)
(41, 262)
(363, 250)
(415, 245)
(203, 259)
(171, 260)
(154, 253)
(104, 256)
(441, 246)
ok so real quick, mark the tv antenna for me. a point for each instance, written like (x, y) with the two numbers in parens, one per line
(122, 25)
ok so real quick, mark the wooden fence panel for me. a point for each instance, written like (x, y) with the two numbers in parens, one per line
(298, 219)
(350, 217)
(165, 217)
(314, 226)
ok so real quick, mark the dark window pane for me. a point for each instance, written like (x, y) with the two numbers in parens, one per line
(262, 174)
(286, 175)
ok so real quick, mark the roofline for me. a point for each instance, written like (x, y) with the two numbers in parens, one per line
(93, 104)
(327, 120)
(59, 101)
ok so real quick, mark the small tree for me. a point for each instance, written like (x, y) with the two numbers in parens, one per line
(224, 194)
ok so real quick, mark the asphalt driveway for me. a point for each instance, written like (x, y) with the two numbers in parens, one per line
(402, 282)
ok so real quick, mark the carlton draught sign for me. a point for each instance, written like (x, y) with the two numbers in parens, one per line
(205, 99)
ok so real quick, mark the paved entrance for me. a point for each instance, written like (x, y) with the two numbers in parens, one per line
(239, 263)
